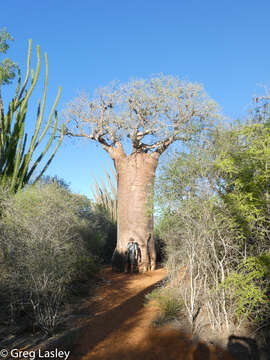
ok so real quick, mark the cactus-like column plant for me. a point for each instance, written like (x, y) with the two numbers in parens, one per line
(16, 153)
(105, 198)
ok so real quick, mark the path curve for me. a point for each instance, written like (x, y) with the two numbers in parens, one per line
(121, 326)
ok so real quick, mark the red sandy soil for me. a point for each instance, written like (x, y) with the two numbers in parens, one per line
(121, 328)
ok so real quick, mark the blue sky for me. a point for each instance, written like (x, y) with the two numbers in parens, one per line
(222, 44)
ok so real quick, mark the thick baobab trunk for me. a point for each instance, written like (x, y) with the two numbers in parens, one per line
(135, 175)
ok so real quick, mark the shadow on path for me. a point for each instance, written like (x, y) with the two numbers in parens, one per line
(102, 325)
(121, 328)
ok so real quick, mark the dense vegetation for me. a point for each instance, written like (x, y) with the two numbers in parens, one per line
(50, 239)
(50, 242)
(214, 204)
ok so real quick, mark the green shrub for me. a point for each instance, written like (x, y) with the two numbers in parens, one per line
(249, 286)
(87, 266)
(168, 302)
(42, 251)
(99, 234)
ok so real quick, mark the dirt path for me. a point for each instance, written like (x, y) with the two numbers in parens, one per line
(121, 325)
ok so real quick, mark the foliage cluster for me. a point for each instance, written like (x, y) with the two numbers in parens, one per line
(249, 285)
(168, 301)
(50, 241)
(7, 66)
(214, 204)
(245, 175)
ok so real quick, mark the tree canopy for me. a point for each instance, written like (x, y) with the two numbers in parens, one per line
(150, 113)
(244, 170)
(7, 66)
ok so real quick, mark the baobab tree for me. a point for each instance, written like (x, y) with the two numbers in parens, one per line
(135, 123)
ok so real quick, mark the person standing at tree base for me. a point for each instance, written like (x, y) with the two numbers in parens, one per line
(135, 123)
(132, 255)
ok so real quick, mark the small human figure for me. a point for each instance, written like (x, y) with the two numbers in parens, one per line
(133, 255)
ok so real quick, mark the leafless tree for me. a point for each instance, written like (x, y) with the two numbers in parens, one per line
(135, 123)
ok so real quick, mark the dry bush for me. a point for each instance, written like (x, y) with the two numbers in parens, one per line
(203, 244)
(223, 285)
(42, 251)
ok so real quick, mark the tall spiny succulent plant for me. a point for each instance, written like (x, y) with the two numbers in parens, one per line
(106, 197)
(16, 166)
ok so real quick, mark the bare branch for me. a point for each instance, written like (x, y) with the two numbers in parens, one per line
(163, 107)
